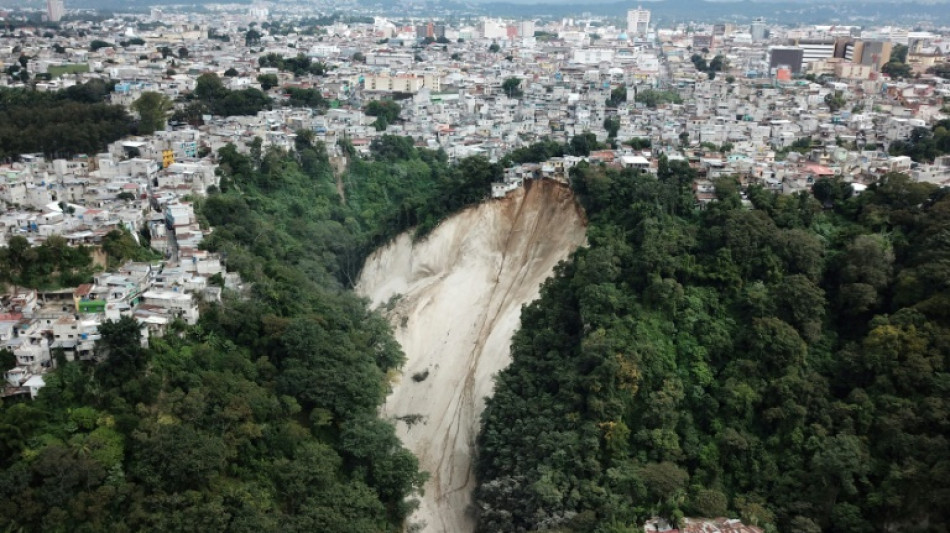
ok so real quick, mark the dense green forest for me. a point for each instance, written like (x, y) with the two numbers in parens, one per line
(211, 97)
(54, 264)
(301, 65)
(785, 364)
(76, 120)
(923, 144)
(580, 145)
(331, 233)
(262, 417)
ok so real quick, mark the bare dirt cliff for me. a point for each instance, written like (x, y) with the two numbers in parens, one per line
(455, 300)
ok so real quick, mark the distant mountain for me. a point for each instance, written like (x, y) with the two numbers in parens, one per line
(858, 12)
(807, 11)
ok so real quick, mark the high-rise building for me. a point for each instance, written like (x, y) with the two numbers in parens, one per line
(55, 10)
(426, 31)
(816, 49)
(723, 30)
(786, 56)
(759, 30)
(493, 29)
(525, 28)
(638, 22)
(704, 41)
(873, 54)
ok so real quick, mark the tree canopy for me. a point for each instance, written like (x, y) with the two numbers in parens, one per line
(782, 364)
(62, 123)
(512, 87)
(212, 97)
(153, 109)
(263, 416)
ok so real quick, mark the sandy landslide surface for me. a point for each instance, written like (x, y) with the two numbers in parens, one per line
(458, 297)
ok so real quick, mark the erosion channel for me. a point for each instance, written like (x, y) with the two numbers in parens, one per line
(454, 300)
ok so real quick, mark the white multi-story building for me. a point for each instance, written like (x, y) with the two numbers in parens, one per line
(638, 22)
(525, 28)
(588, 56)
(816, 49)
(759, 30)
(493, 29)
(324, 50)
(55, 10)
(402, 83)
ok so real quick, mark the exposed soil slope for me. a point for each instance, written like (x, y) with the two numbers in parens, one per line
(455, 300)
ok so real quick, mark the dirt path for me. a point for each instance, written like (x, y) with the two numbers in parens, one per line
(339, 168)
(458, 301)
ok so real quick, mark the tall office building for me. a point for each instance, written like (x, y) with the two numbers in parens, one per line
(786, 56)
(638, 22)
(759, 30)
(873, 54)
(55, 10)
(525, 28)
(816, 49)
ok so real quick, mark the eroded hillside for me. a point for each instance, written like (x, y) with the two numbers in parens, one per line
(454, 300)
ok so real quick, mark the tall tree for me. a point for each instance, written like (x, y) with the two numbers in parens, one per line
(153, 109)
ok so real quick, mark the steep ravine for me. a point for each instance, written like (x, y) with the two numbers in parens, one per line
(455, 300)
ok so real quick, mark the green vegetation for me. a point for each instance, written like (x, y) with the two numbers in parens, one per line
(120, 246)
(581, 145)
(234, 425)
(210, 97)
(786, 364)
(512, 87)
(153, 108)
(301, 65)
(305, 98)
(534, 153)
(408, 187)
(59, 70)
(134, 41)
(252, 38)
(612, 125)
(940, 69)
(385, 111)
(62, 123)
(717, 64)
(653, 98)
(924, 145)
(896, 66)
(99, 44)
(268, 81)
(401, 187)
(639, 143)
(802, 146)
(51, 265)
(263, 416)
(215, 36)
(835, 101)
(618, 96)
